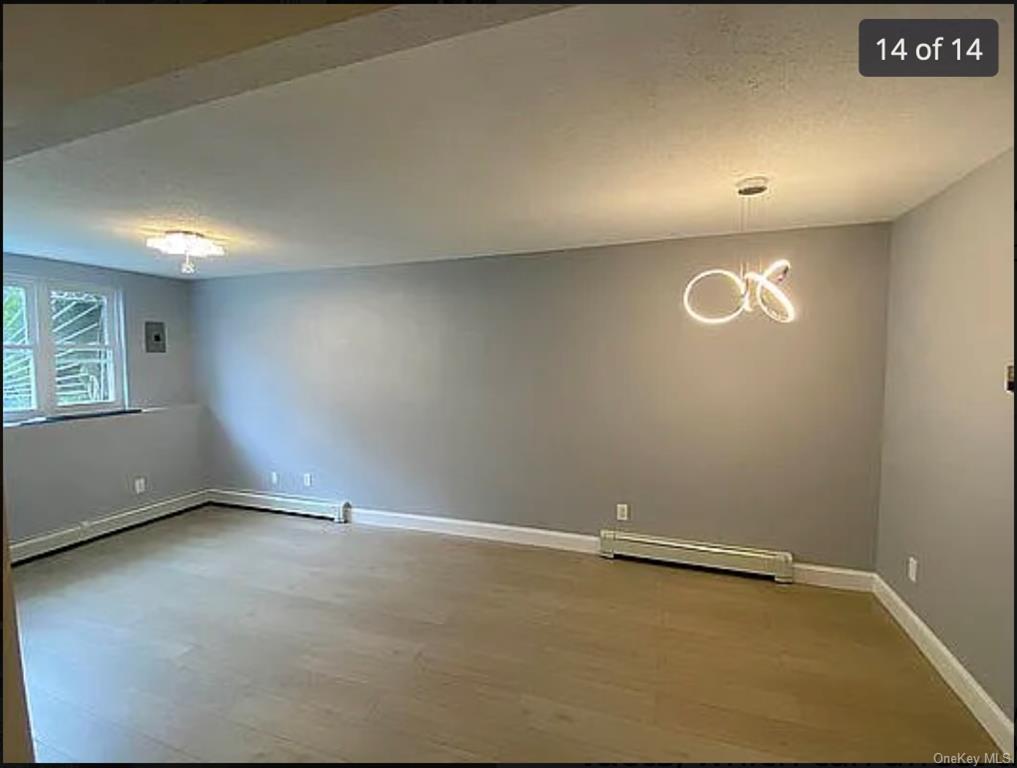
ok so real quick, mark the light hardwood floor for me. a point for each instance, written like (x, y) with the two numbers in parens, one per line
(230, 635)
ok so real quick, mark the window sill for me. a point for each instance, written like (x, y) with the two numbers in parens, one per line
(37, 420)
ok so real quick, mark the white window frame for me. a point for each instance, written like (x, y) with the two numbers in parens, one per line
(37, 291)
(32, 326)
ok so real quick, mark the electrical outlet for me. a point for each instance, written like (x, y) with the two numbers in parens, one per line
(274, 478)
(621, 511)
(913, 570)
(307, 479)
(140, 485)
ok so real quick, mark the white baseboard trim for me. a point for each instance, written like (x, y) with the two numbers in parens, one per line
(90, 529)
(985, 710)
(298, 505)
(512, 534)
(833, 577)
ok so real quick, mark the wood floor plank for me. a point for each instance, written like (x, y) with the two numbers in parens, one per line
(91, 738)
(229, 635)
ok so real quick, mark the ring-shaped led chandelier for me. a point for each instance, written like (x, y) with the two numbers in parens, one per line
(754, 289)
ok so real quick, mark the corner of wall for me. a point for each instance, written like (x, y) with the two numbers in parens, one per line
(925, 447)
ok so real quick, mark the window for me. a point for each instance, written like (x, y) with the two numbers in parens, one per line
(62, 349)
(19, 349)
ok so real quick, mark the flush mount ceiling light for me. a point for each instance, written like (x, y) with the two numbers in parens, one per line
(752, 289)
(190, 245)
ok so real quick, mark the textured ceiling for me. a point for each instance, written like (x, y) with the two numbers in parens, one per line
(595, 124)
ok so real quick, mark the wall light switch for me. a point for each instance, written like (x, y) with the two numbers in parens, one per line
(913, 570)
(307, 479)
(139, 485)
(622, 511)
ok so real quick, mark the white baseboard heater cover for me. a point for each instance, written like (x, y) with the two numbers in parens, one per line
(765, 562)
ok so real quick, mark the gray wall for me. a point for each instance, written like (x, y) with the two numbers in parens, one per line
(62, 473)
(542, 390)
(153, 379)
(947, 479)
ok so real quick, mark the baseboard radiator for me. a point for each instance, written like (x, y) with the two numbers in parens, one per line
(764, 562)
